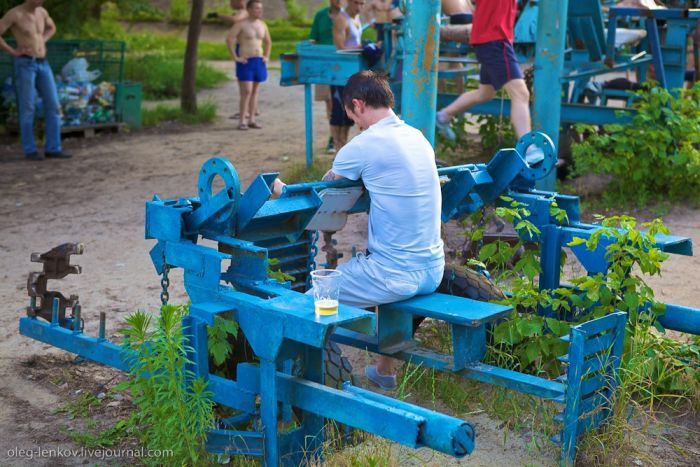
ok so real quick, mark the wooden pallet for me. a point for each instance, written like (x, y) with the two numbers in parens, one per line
(84, 131)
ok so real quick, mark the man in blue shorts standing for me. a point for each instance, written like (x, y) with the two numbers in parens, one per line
(249, 44)
(492, 39)
(397, 167)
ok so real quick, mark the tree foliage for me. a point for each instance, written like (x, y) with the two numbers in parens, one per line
(71, 15)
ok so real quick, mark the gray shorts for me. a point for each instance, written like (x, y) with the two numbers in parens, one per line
(367, 283)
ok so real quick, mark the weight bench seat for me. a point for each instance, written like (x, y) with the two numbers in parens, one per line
(451, 308)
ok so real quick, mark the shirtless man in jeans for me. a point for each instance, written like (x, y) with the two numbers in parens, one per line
(250, 45)
(32, 27)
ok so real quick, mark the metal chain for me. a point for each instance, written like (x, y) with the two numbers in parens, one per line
(164, 284)
(313, 251)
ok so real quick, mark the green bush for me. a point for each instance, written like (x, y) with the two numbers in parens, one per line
(655, 157)
(161, 77)
(175, 409)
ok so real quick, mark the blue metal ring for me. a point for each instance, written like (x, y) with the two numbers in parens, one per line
(224, 169)
(543, 142)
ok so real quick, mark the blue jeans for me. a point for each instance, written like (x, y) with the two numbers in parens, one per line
(35, 75)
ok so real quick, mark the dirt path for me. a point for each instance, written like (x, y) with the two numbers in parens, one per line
(98, 198)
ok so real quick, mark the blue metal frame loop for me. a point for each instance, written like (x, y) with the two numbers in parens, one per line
(223, 168)
(544, 142)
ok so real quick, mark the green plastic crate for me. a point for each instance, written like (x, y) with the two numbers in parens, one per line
(105, 56)
(128, 103)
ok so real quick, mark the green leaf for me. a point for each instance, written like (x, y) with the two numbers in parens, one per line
(576, 241)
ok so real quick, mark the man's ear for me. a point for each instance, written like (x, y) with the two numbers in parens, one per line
(359, 106)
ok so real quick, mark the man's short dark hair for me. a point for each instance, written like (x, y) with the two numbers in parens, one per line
(250, 3)
(370, 87)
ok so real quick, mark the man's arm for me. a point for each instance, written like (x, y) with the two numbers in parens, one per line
(49, 27)
(330, 176)
(6, 23)
(267, 44)
(233, 19)
(232, 40)
(340, 32)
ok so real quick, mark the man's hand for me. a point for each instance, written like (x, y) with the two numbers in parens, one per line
(242, 60)
(23, 50)
(265, 60)
(277, 188)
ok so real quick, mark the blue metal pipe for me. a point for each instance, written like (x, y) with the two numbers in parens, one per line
(549, 64)
(681, 318)
(420, 67)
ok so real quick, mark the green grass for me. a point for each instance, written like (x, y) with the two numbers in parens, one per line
(80, 406)
(161, 77)
(206, 113)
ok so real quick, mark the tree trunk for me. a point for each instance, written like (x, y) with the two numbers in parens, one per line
(188, 101)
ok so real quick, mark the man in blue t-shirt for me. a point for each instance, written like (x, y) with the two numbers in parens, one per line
(397, 167)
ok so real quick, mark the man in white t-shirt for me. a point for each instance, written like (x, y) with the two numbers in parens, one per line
(397, 167)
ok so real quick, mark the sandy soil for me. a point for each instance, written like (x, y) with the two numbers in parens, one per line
(98, 198)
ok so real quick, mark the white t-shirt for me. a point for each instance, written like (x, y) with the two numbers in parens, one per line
(397, 166)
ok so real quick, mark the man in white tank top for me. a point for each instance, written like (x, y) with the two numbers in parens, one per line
(347, 33)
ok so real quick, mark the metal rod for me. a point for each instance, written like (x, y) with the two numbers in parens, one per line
(54, 311)
(103, 321)
(76, 317)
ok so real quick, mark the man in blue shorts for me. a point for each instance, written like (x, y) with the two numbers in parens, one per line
(249, 44)
(397, 167)
(492, 39)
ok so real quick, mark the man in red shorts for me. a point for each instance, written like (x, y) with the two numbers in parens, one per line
(492, 39)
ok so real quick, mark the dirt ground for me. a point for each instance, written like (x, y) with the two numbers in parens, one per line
(97, 198)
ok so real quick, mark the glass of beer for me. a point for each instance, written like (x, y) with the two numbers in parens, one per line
(326, 289)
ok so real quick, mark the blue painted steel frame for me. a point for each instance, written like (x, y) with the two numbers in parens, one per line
(280, 324)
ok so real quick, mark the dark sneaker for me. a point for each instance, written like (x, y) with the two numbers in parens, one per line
(330, 147)
(57, 155)
(34, 156)
(386, 382)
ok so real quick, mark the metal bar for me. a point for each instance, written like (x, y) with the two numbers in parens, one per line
(570, 113)
(655, 45)
(92, 348)
(308, 125)
(549, 64)
(520, 382)
(681, 318)
(420, 65)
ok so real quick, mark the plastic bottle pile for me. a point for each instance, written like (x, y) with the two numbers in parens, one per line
(82, 101)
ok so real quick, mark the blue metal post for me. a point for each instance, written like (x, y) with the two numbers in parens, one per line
(549, 64)
(419, 75)
(309, 125)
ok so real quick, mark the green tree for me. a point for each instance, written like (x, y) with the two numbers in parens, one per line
(188, 100)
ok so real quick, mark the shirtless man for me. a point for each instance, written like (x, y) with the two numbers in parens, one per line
(382, 12)
(250, 45)
(32, 26)
(347, 35)
(457, 10)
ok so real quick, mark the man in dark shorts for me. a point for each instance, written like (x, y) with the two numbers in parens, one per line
(322, 34)
(492, 39)
(347, 35)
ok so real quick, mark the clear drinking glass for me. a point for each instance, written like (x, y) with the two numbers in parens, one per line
(326, 287)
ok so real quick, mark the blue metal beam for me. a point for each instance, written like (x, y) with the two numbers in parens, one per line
(420, 65)
(549, 64)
